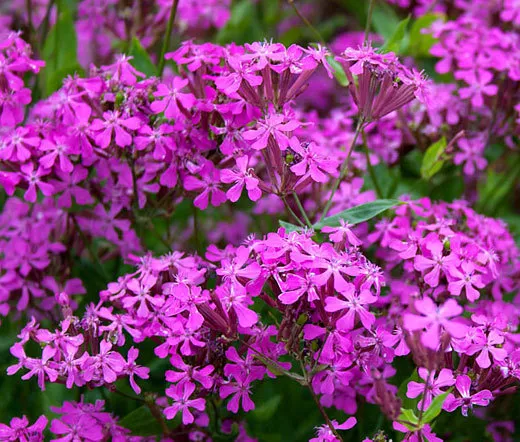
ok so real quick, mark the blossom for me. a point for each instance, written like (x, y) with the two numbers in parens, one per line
(182, 403)
(464, 398)
(433, 319)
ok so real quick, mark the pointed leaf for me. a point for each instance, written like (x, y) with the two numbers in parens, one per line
(289, 227)
(433, 159)
(435, 408)
(408, 419)
(338, 71)
(358, 214)
(393, 44)
(141, 61)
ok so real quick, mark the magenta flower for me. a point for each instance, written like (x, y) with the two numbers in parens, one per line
(434, 261)
(33, 178)
(20, 430)
(114, 123)
(466, 278)
(109, 364)
(355, 303)
(433, 319)
(240, 389)
(471, 154)
(132, 369)
(479, 85)
(313, 162)
(42, 368)
(208, 185)
(342, 234)
(181, 396)
(173, 100)
(464, 398)
(486, 345)
(273, 127)
(244, 176)
(444, 379)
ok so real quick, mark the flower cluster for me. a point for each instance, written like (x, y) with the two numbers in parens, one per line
(126, 233)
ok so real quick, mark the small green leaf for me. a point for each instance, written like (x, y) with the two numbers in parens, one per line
(433, 159)
(408, 419)
(358, 214)
(393, 44)
(384, 20)
(60, 49)
(267, 409)
(421, 42)
(140, 422)
(141, 60)
(338, 70)
(401, 393)
(289, 227)
(435, 408)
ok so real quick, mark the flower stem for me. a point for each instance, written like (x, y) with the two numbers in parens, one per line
(318, 403)
(344, 168)
(369, 20)
(307, 22)
(302, 210)
(371, 170)
(166, 41)
(291, 211)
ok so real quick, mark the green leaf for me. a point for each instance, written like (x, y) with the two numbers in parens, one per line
(267, 409)
(393, 44)
(338, 70)
(433, 159)
(243, 26)
(141, 61)
(140, 422)
(358, 214)
(435, 408)
(384, 20)
(408, 419)
(60, 49)
(401, 393)
(421, 42)
(289, 227)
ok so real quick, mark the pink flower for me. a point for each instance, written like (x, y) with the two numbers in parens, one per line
(275, 128)
(114, 123)
(181, 396)
(487, 344)
(444, 379)
(465, 399)
(240, 389)
(434, 319)
(479, 84)
(355, 303)
(465, 278)
(242, 177)
(173, 100)
(434, 260)
(342, 234)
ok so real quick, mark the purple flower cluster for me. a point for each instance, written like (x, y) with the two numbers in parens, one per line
(335, 304)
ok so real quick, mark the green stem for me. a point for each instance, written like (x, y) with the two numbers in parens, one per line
(344, 168)
(88, 246)
(302, 210)
(371, 170)
(318, 403)
(166, 41)
(291, 211)
(307, 22)
(369, 20)
(196, 229)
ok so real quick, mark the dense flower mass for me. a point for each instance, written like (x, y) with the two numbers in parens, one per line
(202, 231)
